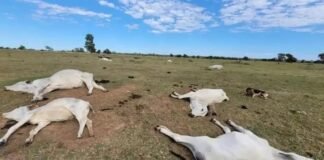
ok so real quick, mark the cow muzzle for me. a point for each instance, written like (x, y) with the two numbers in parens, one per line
(191, 115)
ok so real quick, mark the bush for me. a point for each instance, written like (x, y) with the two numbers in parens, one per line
(106, 51)
(21, 47)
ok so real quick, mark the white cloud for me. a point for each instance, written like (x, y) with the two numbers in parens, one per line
(169, 15)
(263, 14)
(49, 10)
(107, 4)
(132, 26)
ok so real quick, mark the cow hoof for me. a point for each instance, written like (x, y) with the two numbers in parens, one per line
(89, 94)
(27, 143)
(159, 128)
(105, 91)
(230, 122)
(2, 143)
(214, 120)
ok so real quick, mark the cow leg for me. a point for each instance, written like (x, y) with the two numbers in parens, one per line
(185, 140)
(224, 128)
(95, 85)
(89, 126)
(174, 95)
(37, 95)
(211, 110)
(179, 96)
(12, 129)
(240, 128)
(34, 131)
(82, 123)
(41, 93)
(89, 84)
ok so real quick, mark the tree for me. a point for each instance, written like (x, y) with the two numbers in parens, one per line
(282, 57)
(78, 50)
(49, 48)
(98, 51)
(321, 56)
(89, 45)
(291, 58)
(21, 47)
(107, 51)
(246, 58)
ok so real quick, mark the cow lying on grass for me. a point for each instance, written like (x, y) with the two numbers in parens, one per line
(256, 92)
(106, 59)
(201, 99)
(64, 79)
(55, 111)
(240, 144)
(216, 66)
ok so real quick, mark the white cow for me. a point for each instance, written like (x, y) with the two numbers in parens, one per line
(170, 61)
(216, 66)
(64, 79)
(106, 59)
(241, 144)
(55, 111)
(201, 99)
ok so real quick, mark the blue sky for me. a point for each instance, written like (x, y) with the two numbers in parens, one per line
(253, 28)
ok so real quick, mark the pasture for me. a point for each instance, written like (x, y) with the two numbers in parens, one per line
(138, 100)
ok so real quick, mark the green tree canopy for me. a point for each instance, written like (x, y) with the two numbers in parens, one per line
(291, 58)
(321, 56)
(21, 47)
(89, 44)
(49, 48)
(106, 51)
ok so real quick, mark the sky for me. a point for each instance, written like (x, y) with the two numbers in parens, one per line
(233, 28)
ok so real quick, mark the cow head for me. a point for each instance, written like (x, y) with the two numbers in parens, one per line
(23, 86)
(16, 114)
(225, 98)
(198, 111)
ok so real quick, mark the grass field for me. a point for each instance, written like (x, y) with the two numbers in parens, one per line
(126, 131)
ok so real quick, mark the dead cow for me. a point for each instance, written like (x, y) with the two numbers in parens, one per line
(64, 79)
(233, 145)
(216, 66)
(256, 92)
(201, 99)
(106, 59)
(55, 111)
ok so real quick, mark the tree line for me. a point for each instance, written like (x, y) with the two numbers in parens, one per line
(90, 47)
